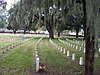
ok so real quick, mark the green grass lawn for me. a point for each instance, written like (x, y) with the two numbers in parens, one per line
(72, 50)
(56, 62)
(21, 59)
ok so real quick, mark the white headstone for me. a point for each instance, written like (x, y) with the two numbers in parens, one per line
(84, 50)
(36, 52)
(36, 49)
(67, 53)
(69, 44)
(96, 55)
(81, 61)
(99, 49)
(80, 48)
(83, 44)
(78, 42)
(61, 49)
(58, 48)
(36, 56)
(37, 64)
(64, 51)
(73, 56)
(73, 46)
(76, 47)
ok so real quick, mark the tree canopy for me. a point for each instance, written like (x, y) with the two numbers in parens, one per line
(3, 13)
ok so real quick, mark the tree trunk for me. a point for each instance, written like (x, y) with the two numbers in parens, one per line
(50, 30)
(24, 31)
(14, 31)
(58, 34)
(89, 56)
(92, 22)
(77, 31)
(49, 20)
(84, 18)
(84, 34)
(51, 34)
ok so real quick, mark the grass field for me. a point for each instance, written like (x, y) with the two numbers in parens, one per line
(20, 60)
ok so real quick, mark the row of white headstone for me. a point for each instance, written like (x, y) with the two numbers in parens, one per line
(4, 40)
(37, 60)
(77, 47)
(12, 45)
(76, 42)
(61, 49)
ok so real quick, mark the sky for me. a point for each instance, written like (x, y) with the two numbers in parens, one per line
(10, 2)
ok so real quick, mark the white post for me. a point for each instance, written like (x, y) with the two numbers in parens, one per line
(37, 64)
(81, 61)
(73, 56)
(68, 53)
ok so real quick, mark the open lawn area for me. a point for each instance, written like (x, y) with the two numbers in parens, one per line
(17, 55)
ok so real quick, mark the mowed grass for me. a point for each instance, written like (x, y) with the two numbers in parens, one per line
(79, 53)
(56, 62)
(6, 40)
(72, 50)
(19, 61)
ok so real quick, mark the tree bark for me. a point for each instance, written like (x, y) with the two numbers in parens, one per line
(50, 29)
(84, 18)
(77, 31)
(49, 20)
(58, 34)
(51, 34)
(25, 29)
(89, 56)
(91, 34)
(84, 34)
(14, 31)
